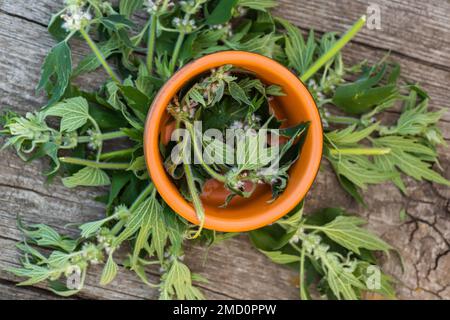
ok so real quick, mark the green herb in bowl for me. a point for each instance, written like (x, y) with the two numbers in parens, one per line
(229, 133)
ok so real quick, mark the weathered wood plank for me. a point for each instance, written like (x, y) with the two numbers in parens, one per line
(24, 76)
(11, 292)
(22, 192)
(427, 22)
(417, 29)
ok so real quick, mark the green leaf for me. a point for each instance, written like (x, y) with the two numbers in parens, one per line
(90, 177)
(45, 236)
(115, 22)
(270, 238)
(360, 96)
(55, 28)
(177, 283)
(134, 223)
(159, 231)
(299, 53)
(345, 231)
(137, 100)
(58, 66)
(109, 271)
(418, 121)
(49, 149)
(360, 170)
(91, 62)
(128, 7)
(281, 258)
(411, 157)
(35, 274)
(238, 93)
(74, 113)
(118, 182)
(261, 5)
(89, 229)
(222, 13)
(350, 135)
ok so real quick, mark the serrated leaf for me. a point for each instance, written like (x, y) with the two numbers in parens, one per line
(128, 7)
(177, 283)
(109, 271)
(350, 135)
(91, 62)
(89, 177)
(55, 27)
(299, 53)
(116, 22)
(222, 13)
(74, 113)
(360, 96)
(57, 66)
(281, 258)
(45, 236)
(134, 223)
(408, 156)
(345, 231)
(360, 170)
(261, 5)
(238, 93)
(89, 229)
(34, 273)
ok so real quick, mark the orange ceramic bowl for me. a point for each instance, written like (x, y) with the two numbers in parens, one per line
(242, 214)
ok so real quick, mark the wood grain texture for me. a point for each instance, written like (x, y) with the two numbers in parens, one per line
(234, 269)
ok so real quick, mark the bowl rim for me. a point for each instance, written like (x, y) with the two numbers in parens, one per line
(154, 161)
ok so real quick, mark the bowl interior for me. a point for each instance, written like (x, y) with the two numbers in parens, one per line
(297, 106)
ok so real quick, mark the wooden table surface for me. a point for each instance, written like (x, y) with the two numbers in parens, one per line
(418, 35)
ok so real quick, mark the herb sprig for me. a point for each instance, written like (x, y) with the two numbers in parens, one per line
(329, 248)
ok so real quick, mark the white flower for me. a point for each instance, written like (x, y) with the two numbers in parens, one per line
(176, 22)
(154, 6)
(74, 18)
(320, 96)
(240, 185)
(255, 118)
(236, 125)
(295, 239)
(242, 11)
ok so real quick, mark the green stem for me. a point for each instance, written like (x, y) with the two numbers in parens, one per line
(361, 151)
(117, 227)
(100, 56)
(176, 51)
(303, 292)
(199, 155)
(117, 154)
(144, 194)
(151, 43)
(95, 164)
(334, 50)
(99, 132)
(342, 120)
(195, 197)
(103, 136)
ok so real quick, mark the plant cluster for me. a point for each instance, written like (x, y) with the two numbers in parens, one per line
(330, 249)
(252, 153)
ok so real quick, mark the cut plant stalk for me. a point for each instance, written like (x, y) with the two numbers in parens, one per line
(100, 56)
(95, 164)
(360, 151)
(151, 43)
(346, 38)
